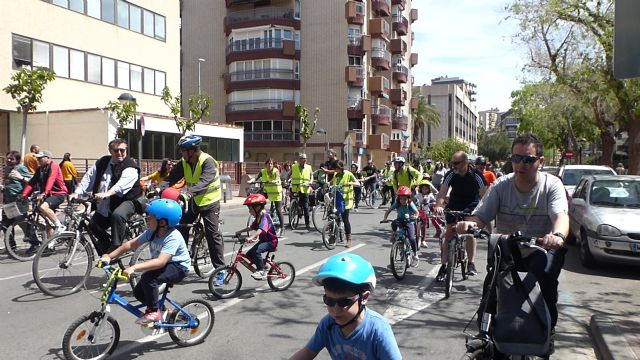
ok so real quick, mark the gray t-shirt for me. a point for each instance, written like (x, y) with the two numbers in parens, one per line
(528, 212)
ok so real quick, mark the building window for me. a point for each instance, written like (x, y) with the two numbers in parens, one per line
(296, 9)
(148, 27)
(149, 81)
(160, 82)
(77, 5)
(108, 72)
(94, 72)
(123, 14)
(76, 65)
(21, 51)
(61, 61)
(109, 11)
(123, 75)
(93, 8)
(160, 27)
(41, 54)
(136, 78)
(135, 18)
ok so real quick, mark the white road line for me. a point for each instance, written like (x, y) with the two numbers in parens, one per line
(411, 299)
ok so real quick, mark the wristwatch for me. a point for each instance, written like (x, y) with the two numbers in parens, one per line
(560, 235)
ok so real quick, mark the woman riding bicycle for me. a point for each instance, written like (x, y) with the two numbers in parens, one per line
(270, 177)
(346, 181)
(407, 213)
(357, 191)
(265, 232)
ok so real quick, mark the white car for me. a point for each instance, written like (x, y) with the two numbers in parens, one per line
(571, 174)
(604, 216)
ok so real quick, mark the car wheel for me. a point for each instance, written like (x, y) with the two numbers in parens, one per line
(586, 258)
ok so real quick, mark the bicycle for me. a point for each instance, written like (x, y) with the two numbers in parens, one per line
(400, 255)
(96, 335)
(482, 345)
(371, 194)
(422, 223)
(63, 263)
(280, 275)
(320, 212)
(295, 209)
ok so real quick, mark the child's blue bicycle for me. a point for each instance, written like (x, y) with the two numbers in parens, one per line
(400, 255)
(96, 335)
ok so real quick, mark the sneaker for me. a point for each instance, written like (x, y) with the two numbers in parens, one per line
(424, 244)
(150, 316)
(442, 273)
(471, 269)
(220, 278)
(415, 260)
(355, 209)
(259, 275)
(281, 232)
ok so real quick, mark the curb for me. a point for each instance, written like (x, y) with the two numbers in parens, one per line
(609, 341)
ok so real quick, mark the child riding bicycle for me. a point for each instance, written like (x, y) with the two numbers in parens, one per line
(405, 207)
(170, 258)
(265, 232)
(426, 197)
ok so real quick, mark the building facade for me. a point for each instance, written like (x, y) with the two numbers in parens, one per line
(508, 124)
(453, 97)
(259, 59)
(98, 49)
(487, 119)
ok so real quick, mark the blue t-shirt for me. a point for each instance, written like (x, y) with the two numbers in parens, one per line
(268, 229)
(402, 210)
(172, 244)
(372, 339)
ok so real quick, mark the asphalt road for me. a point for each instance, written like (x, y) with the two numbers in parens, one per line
(263, 324)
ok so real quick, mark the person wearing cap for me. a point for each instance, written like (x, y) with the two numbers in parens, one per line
(329, 166)
(387, 190)
(30, 160)
(301, 176)
(114, 181)
(48, 179)
(350, 330)
(481, 165)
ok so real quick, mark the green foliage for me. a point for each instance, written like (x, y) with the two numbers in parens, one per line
(124, 112)
(199, 108)
(494, 147)
(306, 129)
(443, 150)
(27, 86)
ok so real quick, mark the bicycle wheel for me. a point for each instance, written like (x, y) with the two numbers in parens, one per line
(451, 265)
(464, 261)
(398, 260)
(142, 254)
(62, 264)
(319, 216)
(366, 197)
(377, 197)
(198, 310)
(230, 286)
(282, 277)
(294, 216)
(90, 338)
(202, 264)
(20, 236)
(329, 232)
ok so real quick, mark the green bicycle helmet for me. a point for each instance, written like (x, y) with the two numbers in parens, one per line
(348, 267)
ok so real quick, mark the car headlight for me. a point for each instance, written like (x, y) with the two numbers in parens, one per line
(608, 230)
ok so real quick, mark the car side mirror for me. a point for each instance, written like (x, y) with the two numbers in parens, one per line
(578, 202)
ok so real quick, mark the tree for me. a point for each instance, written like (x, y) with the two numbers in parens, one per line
(443, 150)
(306, 129)
(494, 146)
(199, 106)
(423, 116)
(26, 88)
(124, 112)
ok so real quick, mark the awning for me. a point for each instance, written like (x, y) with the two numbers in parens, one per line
(405, 134)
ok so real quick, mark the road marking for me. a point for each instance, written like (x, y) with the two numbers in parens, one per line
(408, 300)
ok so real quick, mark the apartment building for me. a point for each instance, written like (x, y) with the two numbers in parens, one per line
(351, 59)
(508, 124)
(99, 49)
(487, 119)
(453, 97)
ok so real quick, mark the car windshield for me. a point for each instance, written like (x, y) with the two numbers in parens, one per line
(616, 193)
(572, 176)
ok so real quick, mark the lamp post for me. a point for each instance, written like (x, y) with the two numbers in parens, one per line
(128, 98)
(323, 131)
(200, 61)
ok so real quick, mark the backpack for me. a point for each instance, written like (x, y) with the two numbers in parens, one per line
(395, 175)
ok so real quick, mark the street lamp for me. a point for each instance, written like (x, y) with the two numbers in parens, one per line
(126, 98)
(323, 131)
(200, 61)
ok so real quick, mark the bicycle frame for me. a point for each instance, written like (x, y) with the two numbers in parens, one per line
(240, 257)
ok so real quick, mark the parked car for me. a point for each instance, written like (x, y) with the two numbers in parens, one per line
(553, 170)
(603, 216)
(571, 174)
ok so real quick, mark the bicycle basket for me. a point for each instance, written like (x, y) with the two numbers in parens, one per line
(15, 209)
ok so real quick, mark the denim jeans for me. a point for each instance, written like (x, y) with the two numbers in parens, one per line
(147, 289)
(255, 253)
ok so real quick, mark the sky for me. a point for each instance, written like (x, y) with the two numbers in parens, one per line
(468, 39)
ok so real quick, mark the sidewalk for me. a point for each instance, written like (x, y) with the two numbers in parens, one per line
(615, 338)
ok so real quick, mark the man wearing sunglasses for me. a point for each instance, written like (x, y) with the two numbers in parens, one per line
(467, 187)
(114, 181)
(534, 203)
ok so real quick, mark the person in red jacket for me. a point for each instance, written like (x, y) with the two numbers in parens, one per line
(48, 179)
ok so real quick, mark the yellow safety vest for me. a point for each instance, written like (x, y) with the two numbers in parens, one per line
(214, 192)
(408, 176)
(347, 191)
(388, 174)
(298, 179)
(274, 188)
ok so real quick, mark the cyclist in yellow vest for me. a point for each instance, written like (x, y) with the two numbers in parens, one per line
(346, 180)
(388, 193)
(301, 175)
(202, 177)
(272, 185)
(405, 175)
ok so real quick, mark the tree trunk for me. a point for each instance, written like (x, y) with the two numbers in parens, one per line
(23, 143)
(634, 145)
(608, 147)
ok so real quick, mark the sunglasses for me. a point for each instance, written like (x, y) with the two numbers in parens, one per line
(122, 151)
(528, 159)
(342, 302)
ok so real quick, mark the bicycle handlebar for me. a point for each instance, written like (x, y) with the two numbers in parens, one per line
(115, 271)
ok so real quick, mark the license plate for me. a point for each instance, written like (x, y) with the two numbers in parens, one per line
(635, 247)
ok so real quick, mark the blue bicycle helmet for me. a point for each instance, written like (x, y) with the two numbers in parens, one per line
(348, 267)
(166, 209)
(189, 141)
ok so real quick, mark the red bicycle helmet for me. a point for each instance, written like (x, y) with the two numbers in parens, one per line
(255, 199)
(403, 190)
(171, 194)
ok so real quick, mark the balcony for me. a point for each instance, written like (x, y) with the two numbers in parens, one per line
(256, 48)
(358, 45)
(414, 59)
(400, 24)
(398, 46)
(354, 12)
(402, 3)
(400, 122)
(263, 78)
(395, 146)
(354, 75)
(414, 103)
(380, 59)
(379, 28)
(381, 7)
(357, 137)
(271, 138)
(273, 109)
(380, 115)
(398, 97)
(379, 86)
(357, 107)
(414, 15)
(245, 2)
(260, 17)
(378, 142)
(400, 73)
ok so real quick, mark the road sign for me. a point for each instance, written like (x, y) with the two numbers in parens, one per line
(568, 154)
